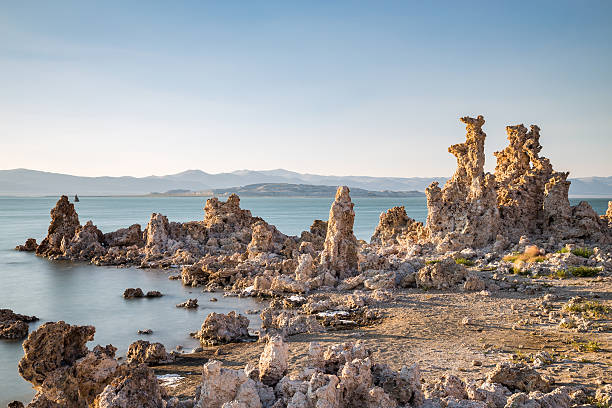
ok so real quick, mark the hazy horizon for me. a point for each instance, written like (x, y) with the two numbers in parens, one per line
(340, 88)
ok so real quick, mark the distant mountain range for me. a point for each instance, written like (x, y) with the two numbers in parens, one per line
(287, 190)
(24, 182)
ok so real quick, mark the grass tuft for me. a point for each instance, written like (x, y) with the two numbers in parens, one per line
(587, 346)
(463, 261)
(583, 252)
(588, 308)
(432, 261)
(584, 271)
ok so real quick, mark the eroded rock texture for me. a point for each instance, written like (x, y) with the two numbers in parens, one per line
(64, 222)
(224, 328)
(340, 248)
(13, 325)
(66, 374)
(464, 212)
(524, 197)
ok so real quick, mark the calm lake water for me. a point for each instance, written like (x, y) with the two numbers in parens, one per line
(91, 295)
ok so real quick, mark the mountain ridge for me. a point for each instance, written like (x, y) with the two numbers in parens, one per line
(26, 182)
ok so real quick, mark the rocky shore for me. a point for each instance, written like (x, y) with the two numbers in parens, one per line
(507, 242)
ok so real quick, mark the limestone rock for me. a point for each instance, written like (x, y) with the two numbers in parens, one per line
(142, 351)
(340, 248)
(14, 325)
(395, 227)
(29, 246)
(221, 385)
(61, 368)
(52, 346)
(224, 328)
(125, 237)
(441, 275)
(64, 222)
(134, 387)
(86, 243)
(273, 361)
(131, 293)
(518, 377)
(189, 304)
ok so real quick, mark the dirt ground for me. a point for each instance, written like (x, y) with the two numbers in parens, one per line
(429, 328)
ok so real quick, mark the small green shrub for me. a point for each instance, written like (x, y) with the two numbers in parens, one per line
(561, 274)
(589, 308)
(463, 261)
(583, 252)
(563, 250)
(432, 261)
(587, 347)
(584, 271)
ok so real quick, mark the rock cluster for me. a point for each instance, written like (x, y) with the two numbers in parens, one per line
(13, 325)
(65, 373)
(29, 246)
(524, 197)
(345, 375)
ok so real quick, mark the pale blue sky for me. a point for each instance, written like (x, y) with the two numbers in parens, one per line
(328, 87)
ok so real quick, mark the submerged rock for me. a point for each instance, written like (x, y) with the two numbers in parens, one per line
(131, 293)
(189, 304)
(29, 246)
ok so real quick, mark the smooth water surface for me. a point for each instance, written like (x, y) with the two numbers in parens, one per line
(86, 294)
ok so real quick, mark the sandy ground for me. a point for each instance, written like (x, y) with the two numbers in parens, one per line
(428, 328)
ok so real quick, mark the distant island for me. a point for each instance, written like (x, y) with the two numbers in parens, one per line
(285, 190)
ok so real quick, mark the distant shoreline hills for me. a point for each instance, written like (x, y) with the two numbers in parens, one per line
(25, 182)
(285, 190)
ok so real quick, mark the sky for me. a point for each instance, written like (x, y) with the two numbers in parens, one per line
(325, 87)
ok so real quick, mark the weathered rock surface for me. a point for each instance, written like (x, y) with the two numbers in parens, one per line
(395, 227)
(519, 377)
(273, 361)
(189, 304)
(441, 275)
(13, 325)
(224, 328)
(132, 387)
(29, 246)
(142, 351)
(340, 248)
(66, 374)
(64, 222)
(131, 293)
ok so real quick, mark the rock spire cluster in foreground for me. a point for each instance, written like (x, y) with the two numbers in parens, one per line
(66, 374)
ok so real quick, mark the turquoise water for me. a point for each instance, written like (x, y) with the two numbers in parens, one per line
(85, 294)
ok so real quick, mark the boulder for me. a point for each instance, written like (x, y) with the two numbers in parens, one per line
(133, 387)
(441, 275)
(273, 361)
(29, 246)
(142, 351)
(131, 293)
(224, 328)
(189, 304)
(518, 377)
(13, 325)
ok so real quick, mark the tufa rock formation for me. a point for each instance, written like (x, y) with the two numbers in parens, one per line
(474, 209)
(221, 328)
(340, 248)
(66, 374)
(14, 326)
(64, 222)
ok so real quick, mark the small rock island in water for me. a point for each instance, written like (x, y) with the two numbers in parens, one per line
(501, 299)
